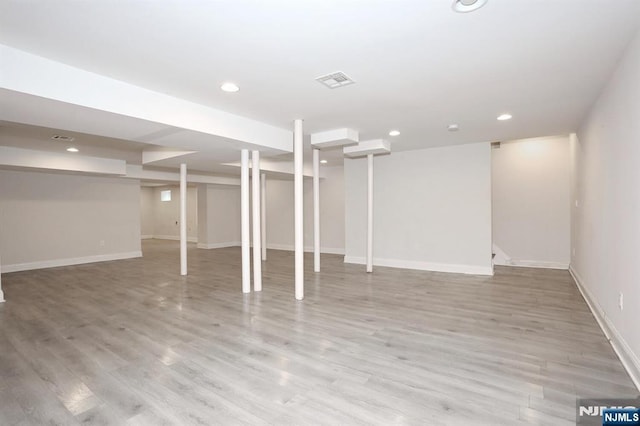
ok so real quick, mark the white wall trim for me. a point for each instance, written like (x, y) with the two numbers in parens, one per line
(69, 261)
(629, 359)
(146, 237)
(501, 257)
(174, 238)
(219, 245)
(424, 266)
(308, 249)
(534, 264)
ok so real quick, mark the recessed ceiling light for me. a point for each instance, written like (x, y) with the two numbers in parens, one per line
(453, 127)
(72, 149)
(323, 161)
(503, 117)
(394, 133)
(464, 6)
(229, 87)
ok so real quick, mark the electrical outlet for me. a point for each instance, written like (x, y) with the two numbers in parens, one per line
(577, 203)
(621, 301)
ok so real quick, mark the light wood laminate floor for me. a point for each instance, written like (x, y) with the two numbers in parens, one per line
(132, 342)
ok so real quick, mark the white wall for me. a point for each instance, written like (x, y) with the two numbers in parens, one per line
(530, 191)
(218, 216)
(331, 211)
(606, 219)
(147, 217)
(432, 209)
(280, 225)
(54, 219)
(166, 214)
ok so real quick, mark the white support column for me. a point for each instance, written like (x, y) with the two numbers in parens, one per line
(370, 213)
(263, 214)
(1, 293)
(257, 234)
(298, 209)
(244, 215)
(183, 219)
(316, 210)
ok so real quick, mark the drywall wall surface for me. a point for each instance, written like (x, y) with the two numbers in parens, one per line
(432, 209)
(147, 219)
(56, 219)
(167, 213)
(331, 211)
(606, 208)
(219, 210)
(280, 225)
(531, 202)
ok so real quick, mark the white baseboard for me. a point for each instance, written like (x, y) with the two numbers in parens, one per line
(501, 258)
(146, 237)
(218, 245)
(423, 266)
(327, 250)
(69, 261)
(289, 247)
(629, 359)
(533, 264)
(174, 238)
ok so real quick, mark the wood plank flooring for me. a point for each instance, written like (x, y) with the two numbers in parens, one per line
(132, 342)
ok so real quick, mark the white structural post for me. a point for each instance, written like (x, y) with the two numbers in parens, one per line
(1, 293)
(257, 234)
(298, 209)
(244, 215)
(263, 214)
(316, 210)
(370, 214)
(183, 219)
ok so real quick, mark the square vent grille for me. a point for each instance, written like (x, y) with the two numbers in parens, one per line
(62, 138)
(335, 80)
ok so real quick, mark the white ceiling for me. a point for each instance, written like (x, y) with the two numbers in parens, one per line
(39, 138)
(418, 66)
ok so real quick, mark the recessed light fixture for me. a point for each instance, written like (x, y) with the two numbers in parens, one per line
(453, 127)
(72, 149)
(504, 117)
(229, 87)
(323, 161)
(464, 6)
(394, 133)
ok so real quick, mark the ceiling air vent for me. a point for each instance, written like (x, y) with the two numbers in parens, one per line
(62, 138)
(335, 80)
(495, 145)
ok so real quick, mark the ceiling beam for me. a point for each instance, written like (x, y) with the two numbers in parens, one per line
(32, 159)
(34, 75)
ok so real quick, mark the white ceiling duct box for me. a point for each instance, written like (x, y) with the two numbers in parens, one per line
(334, 138)
(373, 146)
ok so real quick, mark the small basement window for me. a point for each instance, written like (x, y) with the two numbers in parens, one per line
(165, 195)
